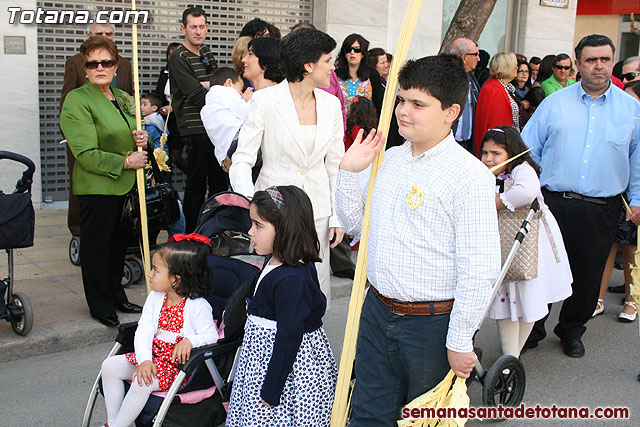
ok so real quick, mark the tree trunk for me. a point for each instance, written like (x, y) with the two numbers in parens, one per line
(469, 21)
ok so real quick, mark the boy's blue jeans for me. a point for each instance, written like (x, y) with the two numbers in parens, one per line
(398, 358)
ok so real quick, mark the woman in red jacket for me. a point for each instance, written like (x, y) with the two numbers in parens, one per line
(496, 102)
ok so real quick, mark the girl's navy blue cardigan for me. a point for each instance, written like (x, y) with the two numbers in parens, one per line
(292, 297)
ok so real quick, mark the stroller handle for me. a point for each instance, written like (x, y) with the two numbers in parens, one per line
(24, 184)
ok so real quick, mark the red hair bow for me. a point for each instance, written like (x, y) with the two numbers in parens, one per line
(189, 237)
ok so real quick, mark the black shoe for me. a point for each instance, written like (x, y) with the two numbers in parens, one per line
(129, 307)
(349, 273)
(528, 345)
(616, 289)
(110, 320)
(573, 347)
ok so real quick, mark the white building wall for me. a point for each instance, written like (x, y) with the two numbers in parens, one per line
(379, 21)
(546, 30)
(19, 115)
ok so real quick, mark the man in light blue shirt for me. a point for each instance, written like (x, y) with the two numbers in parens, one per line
(586, 139)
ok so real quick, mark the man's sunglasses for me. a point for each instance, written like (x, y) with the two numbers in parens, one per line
(93, 65)
(473, 54)
(562, 67)
(629, 76)
(356, 49)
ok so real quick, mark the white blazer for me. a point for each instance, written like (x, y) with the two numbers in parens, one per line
(273, 126)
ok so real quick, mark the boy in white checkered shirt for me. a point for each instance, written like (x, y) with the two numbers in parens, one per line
(434, 250)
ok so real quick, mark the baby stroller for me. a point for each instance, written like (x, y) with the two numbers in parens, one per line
(17, 223)
(505, 381)
(203, 399)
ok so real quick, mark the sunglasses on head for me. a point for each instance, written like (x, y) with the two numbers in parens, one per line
(562, 67)
(356, 49)
(629, 76)
(93, 65)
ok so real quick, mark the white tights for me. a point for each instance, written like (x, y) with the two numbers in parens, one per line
(122, 411)
(512, 335)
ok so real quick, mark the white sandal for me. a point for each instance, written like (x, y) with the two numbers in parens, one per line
(599, 308)
(628, 318)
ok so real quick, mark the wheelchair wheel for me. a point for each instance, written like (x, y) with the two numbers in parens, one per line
(23, 325)
(127, 274)
(504, 383)
(74, 250)
(136, 268)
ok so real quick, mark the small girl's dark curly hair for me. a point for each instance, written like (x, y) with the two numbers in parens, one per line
(187, 261)
(362, 112)
(510, 139)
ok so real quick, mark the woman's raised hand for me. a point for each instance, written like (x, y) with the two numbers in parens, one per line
(362, 152)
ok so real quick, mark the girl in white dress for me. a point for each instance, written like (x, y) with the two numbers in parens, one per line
(519, 304)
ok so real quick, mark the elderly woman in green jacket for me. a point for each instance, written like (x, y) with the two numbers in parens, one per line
(100, 130)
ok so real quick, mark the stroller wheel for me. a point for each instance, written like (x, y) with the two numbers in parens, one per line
(504, 383)
(23, 325)
(136, 268)
(127, 274)
(74, 250)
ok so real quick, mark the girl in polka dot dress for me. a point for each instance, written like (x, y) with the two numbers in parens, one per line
(175, 319)
(286, 373)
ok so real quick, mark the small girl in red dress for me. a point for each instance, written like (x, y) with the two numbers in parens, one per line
(175, 319)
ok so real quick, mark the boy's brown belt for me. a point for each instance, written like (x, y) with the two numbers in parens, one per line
(416, 308)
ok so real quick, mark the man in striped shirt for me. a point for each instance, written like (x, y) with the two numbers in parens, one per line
(190, 68)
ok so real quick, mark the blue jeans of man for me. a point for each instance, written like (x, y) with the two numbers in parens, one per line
(398, 358)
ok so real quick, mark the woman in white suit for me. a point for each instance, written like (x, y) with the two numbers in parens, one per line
(300, 131)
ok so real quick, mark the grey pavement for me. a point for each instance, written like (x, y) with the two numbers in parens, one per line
(606, 376)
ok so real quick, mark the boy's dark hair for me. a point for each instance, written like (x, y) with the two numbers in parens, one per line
(268, 52)
(535, 60)
(510, 139)
(195, 12)
(296, 238)
(154, 99)
(363, 113)
(442, 77)
(594, 40)
(534, 96)
(257, 27)
(221, 75)
(302, 47)
(188, 259)
(342, 66)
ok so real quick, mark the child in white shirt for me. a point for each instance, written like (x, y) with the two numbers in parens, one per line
(226, 109)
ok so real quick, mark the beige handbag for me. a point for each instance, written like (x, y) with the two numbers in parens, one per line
(525, 262)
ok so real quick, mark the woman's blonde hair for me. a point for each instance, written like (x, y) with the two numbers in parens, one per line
(240, 50)
(502, 65)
